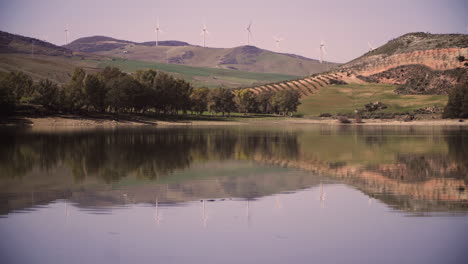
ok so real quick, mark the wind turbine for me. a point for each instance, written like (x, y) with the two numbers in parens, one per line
(157, 30)
(204, 33)
(322, 51)
(249, 33)
(67, 34)
(32, 48)
(277, 40)
(371, 47)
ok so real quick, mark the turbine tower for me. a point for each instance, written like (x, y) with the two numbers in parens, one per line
(67, 34)
(277, 40)
(204, 33)
(371, 47)
(157, 30)
(249, 33)
(322, 51)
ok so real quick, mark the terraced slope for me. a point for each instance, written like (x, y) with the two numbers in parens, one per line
(309, 85)
(420, 63)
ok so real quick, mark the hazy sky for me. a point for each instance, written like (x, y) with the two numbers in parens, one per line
(345, 25)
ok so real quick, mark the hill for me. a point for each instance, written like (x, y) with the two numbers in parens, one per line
(102, 43)
(417, 63)
(11, 43)
(41, 59)
(243, 58)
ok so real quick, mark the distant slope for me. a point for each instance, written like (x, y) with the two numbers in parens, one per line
(436, 51)
(57, 63)
(102, 43)
(11, 43)
(419, 63)
(244, 58)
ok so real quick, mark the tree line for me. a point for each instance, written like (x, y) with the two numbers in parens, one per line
(144, 92)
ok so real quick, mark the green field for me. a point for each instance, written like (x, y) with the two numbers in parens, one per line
(344, 99)
(201, 76)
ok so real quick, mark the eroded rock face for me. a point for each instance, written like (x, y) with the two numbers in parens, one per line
(419, 79)
(439, 59)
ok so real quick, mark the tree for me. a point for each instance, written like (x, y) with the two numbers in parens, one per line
(95, 91)
(47, 94)
(221, 100)
(110, 73)
(124, 94)
(74, 91)
(7, 98)
(457, 105)
(199, 100)
(245, 100)
(146, 77)
(18, 84)
(285, 101)
(264, 102)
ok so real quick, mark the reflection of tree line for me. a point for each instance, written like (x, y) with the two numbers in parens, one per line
(148, 154)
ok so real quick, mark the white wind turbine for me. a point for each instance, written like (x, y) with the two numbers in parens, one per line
(157, 30)
(204, 33)
(323, 51)
(277, 40)
(371, 47)
(249, 33)
(67, 34)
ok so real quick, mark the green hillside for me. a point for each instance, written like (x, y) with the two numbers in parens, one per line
(242, 58)
(344, 99)
(201, 76)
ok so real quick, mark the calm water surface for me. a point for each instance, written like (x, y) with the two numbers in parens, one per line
(301, 194)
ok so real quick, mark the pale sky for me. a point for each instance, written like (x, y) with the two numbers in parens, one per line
(346, 26)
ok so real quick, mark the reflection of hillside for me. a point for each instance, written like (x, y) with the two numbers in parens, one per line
(430, 182)
(408, 170)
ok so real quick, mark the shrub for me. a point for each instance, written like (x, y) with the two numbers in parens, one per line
(344, 120)
(457, 105)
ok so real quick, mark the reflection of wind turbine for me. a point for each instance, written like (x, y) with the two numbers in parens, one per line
(204, 215)
(277, 40)
(248, 212)
(157, 30)
(278, 203)
(204, 33)
(67, 34)
(157, 217)
(323, 52)
(67, 211)
(249, 33)
(371, 47)
(322, 196)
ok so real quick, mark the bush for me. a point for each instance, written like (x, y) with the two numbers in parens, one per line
(457, 105)
(344, 120)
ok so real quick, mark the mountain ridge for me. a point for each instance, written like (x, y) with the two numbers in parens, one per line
(245, 58)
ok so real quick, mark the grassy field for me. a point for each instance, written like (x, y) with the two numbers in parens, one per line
(347, 98)
(200, 76)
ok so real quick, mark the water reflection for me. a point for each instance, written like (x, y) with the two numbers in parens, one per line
(422, 170)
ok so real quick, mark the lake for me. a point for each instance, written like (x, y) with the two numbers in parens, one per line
(236, 194)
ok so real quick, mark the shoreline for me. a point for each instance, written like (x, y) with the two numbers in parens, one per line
(77, 122)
